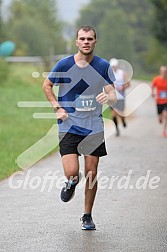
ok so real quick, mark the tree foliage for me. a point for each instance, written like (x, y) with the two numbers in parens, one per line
(123, 28)
(160, 21)
(156, 55)
(33, 26)
(111, 32)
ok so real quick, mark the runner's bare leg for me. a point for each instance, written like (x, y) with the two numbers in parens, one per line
(91, 164)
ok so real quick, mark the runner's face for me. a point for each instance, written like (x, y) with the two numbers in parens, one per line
(163, 71)
(86, 42)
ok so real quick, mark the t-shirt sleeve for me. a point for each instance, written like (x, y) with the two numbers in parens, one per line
(54, 74)
(108, 75)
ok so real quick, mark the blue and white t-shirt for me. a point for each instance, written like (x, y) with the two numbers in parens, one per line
(78, 88)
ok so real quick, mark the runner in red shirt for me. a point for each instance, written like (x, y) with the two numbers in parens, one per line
(160, 84)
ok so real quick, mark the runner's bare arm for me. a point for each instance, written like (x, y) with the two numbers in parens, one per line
(48, 90)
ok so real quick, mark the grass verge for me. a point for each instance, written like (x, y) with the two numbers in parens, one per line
(18, 129)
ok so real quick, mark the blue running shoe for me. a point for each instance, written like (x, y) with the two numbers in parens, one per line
(68, 191)
(87, 222)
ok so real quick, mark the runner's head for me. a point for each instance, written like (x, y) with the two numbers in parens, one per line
(114, 63)
(86, 28)
(86, 40)
(163, 71)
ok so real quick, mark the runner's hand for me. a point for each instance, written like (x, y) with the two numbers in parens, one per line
(102, 98)
(61, 114)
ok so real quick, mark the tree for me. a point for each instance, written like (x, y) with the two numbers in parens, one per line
(156, 55)
(134, 16)
(160, 21)
(111, 32)
(34, 27)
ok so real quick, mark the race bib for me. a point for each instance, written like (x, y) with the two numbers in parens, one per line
(163, 94)
(85, 103)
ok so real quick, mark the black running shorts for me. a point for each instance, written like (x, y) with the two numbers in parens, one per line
(161, 107)
(93, 145)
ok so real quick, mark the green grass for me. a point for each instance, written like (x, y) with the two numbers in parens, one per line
(145, 77)
(18, 129)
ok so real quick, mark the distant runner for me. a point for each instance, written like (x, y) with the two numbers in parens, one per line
(160, 84)
(120, 84)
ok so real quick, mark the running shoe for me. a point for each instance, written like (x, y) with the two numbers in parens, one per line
(68, 191)
(87, 223)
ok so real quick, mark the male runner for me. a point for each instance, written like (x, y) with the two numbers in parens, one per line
(160, 84)
(85, 84)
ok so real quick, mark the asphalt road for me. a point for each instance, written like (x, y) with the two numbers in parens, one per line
(130, 210)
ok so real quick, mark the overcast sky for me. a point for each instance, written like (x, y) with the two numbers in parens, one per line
(68, 10)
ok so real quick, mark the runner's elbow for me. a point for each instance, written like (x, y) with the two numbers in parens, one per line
(46, 85)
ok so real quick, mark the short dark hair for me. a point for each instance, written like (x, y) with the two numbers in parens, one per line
(86, 28)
